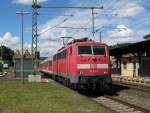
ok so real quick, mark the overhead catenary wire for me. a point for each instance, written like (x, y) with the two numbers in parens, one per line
(60, 22)
(49, 28)
(133, 25)
(71, 7)
(67, 27)
(111, 5)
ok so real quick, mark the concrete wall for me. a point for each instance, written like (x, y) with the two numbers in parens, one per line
(129, 67)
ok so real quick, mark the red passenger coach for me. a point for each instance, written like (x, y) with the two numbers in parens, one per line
(82, 63)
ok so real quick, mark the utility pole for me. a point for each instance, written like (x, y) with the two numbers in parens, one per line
(34, 37)
(22, 60)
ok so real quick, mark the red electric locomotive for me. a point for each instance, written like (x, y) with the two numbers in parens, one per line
(81, 64)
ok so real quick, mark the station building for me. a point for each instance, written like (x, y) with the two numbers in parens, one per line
(27, 63)
(132, 60)
(27, 60)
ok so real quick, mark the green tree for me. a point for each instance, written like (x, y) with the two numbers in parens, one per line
(6, 55)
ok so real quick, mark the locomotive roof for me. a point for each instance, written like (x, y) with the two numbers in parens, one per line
(47, 59)
(84, 41)
(76, 43)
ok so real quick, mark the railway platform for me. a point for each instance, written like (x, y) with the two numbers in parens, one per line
(143, 81)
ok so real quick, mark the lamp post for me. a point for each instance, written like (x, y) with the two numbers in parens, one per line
(22, 13)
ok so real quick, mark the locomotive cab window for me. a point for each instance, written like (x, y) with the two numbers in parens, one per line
(99, 50)
(84, 50)
(88, 50)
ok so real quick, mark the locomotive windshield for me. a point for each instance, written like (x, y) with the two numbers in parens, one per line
(91, 50)
(84, 50)
(98, 50)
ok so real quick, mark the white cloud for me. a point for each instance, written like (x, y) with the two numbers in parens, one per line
(13, 42)
(49, 47)
(9, 40)
(27, 1)
(121, 34)
(27, 46)
(128, 9)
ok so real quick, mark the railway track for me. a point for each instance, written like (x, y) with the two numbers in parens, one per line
(116, 105)
(119, 106)
(133, 86)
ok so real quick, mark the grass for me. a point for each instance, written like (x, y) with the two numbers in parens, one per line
(43, 98)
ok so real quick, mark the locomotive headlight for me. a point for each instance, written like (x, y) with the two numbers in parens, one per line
(81, 72)
(105, 72)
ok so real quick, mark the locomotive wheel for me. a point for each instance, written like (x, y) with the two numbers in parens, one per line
(82, 88)
(65, 80)
(104, 87)
(79, 89)
(68, 83)
(75, 86)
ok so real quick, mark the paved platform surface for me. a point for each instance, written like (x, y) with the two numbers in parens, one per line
(145, 81)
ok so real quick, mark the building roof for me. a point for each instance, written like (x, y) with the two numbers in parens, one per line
(139, 47)
(147, 36)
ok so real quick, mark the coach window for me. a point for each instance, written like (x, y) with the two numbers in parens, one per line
(59, 56)
(71, 51)
(64, 54)
(84, 50)
(50, 63)
(54, 57)
(99, 50)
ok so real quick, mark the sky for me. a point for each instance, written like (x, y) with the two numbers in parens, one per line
(120, 21)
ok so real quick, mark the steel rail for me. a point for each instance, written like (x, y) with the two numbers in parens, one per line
(128, 104)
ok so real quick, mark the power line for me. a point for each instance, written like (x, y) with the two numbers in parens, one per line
(53, 26)
(63, 27)
(111, 5)
(66, 18)
(72, 7)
